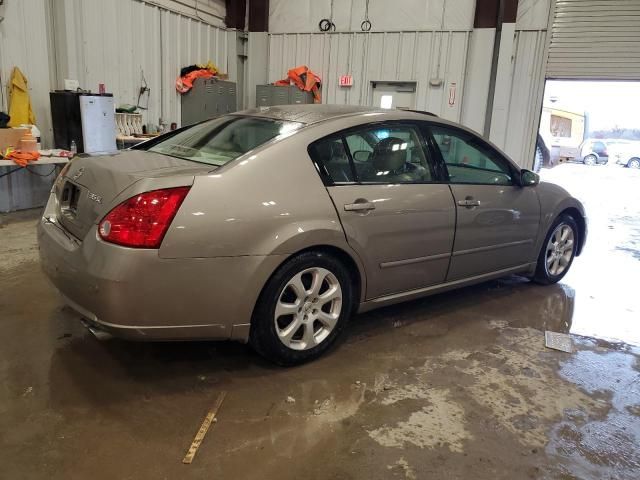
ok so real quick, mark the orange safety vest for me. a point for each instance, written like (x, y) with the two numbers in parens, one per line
(303, 78)
(184, 84)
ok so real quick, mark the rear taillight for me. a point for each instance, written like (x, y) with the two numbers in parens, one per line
(143, 220)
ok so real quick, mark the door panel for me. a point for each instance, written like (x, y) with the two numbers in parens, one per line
(497, 219)
(402, 232)
(498, 233)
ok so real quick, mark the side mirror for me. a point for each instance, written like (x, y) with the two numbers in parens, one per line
(529, 178)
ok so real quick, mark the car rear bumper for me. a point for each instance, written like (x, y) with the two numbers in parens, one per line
(135, 294)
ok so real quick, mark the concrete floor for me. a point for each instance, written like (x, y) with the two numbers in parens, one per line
(459, 385)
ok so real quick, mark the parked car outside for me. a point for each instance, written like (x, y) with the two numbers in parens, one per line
(626, 153)
(594, 152)
(275, 225)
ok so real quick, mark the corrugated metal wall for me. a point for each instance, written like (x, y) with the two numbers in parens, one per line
(595, 39)
(413, 56)
(184, 42)
(24, 43)
(518, 95)
(392, 56)
(114, 42)
(302, 16)
(527, 88)
(100, 41)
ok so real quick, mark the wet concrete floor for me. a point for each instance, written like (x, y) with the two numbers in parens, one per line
(458, 385)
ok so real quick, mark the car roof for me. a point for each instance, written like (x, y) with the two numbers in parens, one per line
(314, 113)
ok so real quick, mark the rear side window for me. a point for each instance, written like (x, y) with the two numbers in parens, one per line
(381, 154)
(331, 160)
(389, 155)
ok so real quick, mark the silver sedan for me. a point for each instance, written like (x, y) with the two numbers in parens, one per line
(274, 226)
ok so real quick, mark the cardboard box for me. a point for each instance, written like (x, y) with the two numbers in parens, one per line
(9, 137)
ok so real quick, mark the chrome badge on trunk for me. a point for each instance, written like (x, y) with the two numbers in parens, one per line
(96, 198)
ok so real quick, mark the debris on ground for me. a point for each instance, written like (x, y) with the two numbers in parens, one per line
(206, 423)
(323, 408)
(558, 341)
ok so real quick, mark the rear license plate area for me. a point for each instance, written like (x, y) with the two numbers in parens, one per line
(69, 200)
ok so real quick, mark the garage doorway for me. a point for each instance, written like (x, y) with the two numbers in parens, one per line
(589, 143)
(393, 95)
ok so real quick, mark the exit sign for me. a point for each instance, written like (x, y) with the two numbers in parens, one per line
(346, 81)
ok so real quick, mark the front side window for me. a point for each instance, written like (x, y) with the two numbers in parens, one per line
(469, 160)
(391, 154)
(219, 141)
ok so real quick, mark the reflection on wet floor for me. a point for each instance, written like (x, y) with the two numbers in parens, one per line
(596, 445)
(458, 385)
(606, 277)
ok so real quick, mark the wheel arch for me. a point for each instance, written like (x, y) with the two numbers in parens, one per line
(582, 226)
(356, 271)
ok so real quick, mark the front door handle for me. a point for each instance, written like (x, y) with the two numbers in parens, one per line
(469, 202)
(360, 206)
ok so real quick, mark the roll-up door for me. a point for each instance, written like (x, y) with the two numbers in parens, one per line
(595, 39)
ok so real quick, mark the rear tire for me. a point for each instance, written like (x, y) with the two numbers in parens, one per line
(590, 160)
(302, 310)
(558, 251)
(634, 163)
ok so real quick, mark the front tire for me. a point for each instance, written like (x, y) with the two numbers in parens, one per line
(558, 251)
(302, 310)
(590, 160)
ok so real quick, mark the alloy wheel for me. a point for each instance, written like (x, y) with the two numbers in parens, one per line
(308, 308)
(560, 248)
(590, 160)
(634, 163)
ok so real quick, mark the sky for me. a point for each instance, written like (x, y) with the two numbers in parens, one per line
(608, 104)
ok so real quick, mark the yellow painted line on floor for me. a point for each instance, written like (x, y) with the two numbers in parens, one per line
(206, 423)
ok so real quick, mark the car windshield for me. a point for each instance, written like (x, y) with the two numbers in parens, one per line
(222, 140)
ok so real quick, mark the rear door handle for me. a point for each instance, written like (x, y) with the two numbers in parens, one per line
(469, 202)
(359, 206)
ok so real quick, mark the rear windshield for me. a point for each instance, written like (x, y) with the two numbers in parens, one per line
(219, 141)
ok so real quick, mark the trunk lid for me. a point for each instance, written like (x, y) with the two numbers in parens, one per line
(90, 185)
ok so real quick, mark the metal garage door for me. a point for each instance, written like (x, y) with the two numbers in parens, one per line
(595, 39)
